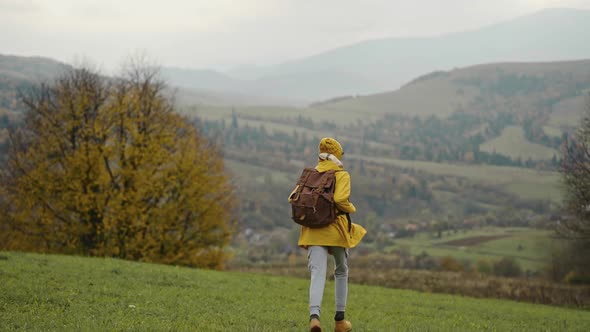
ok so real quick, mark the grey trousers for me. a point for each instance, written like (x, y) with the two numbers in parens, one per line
(318, 264)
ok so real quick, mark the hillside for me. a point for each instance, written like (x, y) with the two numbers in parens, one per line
(208, 87)
(532, 103)
(472, 146)
(374, 66)
(515, 110)
(520, 88)
(29, 69)
(20, 73)
(55, 293)
(191, 87)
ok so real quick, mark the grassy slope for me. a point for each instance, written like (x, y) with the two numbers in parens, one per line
(436, 96)
(55, 293)
(512, 143)
(446, 92)
(532, 256)
(568, 112)
(552, 131)
(526, 183)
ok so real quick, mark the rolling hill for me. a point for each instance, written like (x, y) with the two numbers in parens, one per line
(453, 132)
(17, 73)
(521, 88)
(519, 110)
(29, 69)
(383, 65)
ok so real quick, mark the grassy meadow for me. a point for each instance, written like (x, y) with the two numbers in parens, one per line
(528, 246)
(272, 114)
(65, 293)
(523, 182)
(526, 183)
(514, 144)
(568, 112)
(552, 131)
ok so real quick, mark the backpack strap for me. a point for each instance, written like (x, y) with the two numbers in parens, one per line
(349, 224)
(345, 213)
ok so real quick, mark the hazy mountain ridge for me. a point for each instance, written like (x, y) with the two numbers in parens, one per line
(383, 65)
(549, 35)
(377, 66)
(533, 89)
(544, 88)
(29, 69)
(19, 73)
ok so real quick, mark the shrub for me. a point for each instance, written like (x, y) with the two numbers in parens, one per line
(448, 263)
(507, 267)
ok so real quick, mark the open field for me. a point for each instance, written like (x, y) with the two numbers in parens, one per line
(472, 241)
(436, 96)
(526, 183)
(531, 248)
(512, 143)
(552, 131)
(268, 114)
(225, 112)
(56, 293)
(568, 112)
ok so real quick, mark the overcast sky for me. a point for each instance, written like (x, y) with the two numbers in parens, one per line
(224, 33)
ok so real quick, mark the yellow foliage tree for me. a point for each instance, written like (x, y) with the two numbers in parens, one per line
(106, 167)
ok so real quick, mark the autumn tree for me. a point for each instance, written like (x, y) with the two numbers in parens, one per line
(575, 174)
(106, 167)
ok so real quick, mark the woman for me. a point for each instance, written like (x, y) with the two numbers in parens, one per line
(334, 239)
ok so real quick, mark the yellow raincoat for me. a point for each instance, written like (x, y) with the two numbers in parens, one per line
(335, 234)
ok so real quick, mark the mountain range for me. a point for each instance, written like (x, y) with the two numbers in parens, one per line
(382, 65)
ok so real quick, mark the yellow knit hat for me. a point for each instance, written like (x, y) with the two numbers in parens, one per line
(330, 145)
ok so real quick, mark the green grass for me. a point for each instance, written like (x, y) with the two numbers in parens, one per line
(568, 112)
(536, 245)
(552, 131)
(514, 144)
(61, 293)
(442, 100)
(526, 183)
(272, 114)
(269, 113)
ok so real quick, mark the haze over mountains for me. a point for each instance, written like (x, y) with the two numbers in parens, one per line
(386, 64)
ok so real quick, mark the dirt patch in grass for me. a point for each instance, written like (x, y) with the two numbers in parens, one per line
(473, 241)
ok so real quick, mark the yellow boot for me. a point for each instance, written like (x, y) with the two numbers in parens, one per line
(342, 326)
(314, 325)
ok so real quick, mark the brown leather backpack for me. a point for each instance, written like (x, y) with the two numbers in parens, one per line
(312, 201)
